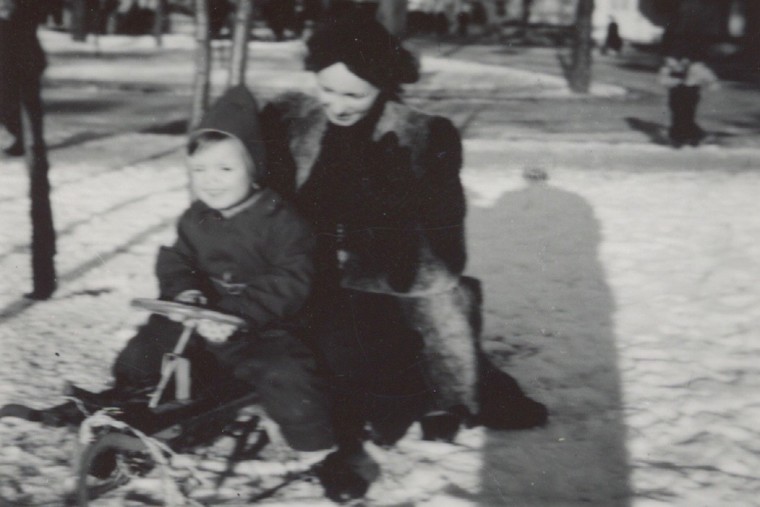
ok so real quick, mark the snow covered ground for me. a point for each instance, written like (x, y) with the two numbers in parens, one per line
(622, 298)
(621, 293)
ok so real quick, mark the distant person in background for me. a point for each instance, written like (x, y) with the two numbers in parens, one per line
(685, 74)
(22, 61)
(613, 40)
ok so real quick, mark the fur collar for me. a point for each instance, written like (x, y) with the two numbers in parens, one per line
(308, 123)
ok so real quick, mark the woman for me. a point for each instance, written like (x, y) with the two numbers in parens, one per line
(394, 322)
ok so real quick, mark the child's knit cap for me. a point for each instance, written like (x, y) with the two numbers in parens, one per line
(236, 114)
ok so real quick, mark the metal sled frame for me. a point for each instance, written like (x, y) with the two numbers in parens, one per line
(179, 422)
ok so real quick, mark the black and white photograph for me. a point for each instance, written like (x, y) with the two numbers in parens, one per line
(379, 253)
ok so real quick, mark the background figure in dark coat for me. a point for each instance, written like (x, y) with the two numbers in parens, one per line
(613, 40)
(685, 74)
(22, 61)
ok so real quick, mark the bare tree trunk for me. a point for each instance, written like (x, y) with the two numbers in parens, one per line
(158, 21)
(580, 65)
(392, 15)
(240, 43)
(79, 20)
(525, 17)
(43, 231)
(202, 83)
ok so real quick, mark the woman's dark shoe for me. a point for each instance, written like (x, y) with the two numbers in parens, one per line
(518, 414)
(346, 476)
(443, 425)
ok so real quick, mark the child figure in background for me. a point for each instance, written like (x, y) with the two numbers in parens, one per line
(684, 74)
(243, 251)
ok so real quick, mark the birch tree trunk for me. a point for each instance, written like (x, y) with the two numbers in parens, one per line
(202, 81)
(240, 43)
(158, 22)
(525, 14)
(580, 65)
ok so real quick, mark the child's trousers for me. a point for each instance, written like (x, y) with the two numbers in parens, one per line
(278, 365)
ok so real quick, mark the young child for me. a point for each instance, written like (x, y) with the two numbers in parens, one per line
(684, 74)
(243, 251)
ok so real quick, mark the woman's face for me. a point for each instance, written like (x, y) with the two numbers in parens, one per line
(346, 98)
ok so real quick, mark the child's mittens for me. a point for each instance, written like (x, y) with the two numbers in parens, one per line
(189, 297)
(215, 332)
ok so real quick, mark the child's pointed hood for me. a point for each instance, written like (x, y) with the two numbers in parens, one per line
(236, 113)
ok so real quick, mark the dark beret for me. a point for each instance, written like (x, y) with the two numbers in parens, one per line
(367, 49)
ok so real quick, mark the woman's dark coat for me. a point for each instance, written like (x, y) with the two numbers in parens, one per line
(405, 226)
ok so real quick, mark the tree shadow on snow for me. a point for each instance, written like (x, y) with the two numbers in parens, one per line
(536, 252)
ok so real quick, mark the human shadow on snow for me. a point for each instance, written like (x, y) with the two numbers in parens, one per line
(536, 251)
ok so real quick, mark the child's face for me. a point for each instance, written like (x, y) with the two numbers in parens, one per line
(219, 174)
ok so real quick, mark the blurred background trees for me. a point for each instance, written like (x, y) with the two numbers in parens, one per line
(731, 28)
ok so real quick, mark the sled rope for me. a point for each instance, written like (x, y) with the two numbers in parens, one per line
(157, 450)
